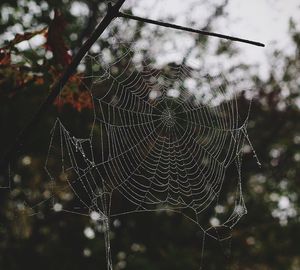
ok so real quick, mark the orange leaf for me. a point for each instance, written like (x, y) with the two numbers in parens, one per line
(39, 80)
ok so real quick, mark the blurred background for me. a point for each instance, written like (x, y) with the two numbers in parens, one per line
(38, 40)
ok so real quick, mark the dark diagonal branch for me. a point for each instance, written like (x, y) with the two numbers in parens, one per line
(187, 29)
(59, 84)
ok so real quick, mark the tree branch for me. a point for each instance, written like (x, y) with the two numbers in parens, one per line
(179, 27)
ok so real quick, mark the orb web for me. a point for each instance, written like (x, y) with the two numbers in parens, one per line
(162, 139)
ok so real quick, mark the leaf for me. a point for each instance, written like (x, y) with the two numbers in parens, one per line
(4, 58)
(74, 96)
(55, 41)
(39, 80)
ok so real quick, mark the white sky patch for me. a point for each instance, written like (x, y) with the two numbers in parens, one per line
(87, 252)
(220, 209)
(26, 160)
(285, 210)
(297, 157)
(214, 222)
(89, 233)
(33, 43)
(266, 21)
(95, 216)
(6, 12)
(173, 93)
(79, 9)
(239, 209)
(190, 83)
(117, 223)
(283, 203)
(17, 178)
(57, 207)
(154, 94)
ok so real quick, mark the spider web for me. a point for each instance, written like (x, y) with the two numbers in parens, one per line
(162, 138)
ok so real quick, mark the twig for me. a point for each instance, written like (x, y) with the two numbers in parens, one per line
(179, 27)
(59, 84)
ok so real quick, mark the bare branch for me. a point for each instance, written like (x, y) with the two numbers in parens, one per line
(179, 27)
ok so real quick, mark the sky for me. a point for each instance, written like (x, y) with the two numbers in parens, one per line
(266, 21)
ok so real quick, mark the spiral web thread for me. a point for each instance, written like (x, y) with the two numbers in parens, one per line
(162, 139)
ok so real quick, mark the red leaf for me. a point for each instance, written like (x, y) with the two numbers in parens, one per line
(55, 41)
(4, 58)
